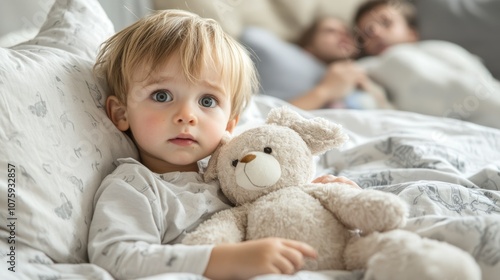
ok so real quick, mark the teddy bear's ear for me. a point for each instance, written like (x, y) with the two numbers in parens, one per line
(319, 134)
(210, 173)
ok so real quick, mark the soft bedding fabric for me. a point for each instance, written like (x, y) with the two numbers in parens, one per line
(437, 78)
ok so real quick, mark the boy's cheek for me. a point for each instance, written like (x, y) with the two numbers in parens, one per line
(153, 121)
(143, 121)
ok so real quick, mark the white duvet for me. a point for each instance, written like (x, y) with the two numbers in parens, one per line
(437, 78)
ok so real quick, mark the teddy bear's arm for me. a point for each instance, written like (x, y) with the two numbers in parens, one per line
(367, 210)
(227, 226)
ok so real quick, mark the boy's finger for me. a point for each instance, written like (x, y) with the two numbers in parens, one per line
(294, 256)
(286, 264)
(324, 178)
(302, 247)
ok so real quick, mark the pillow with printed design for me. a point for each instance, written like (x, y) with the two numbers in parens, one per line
(57, 142)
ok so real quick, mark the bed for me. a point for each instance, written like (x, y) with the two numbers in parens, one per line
(58, 144)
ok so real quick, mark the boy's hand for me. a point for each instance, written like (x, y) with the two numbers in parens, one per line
(256, 257)
(325, 179)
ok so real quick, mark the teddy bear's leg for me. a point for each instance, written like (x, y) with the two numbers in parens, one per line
(400, 254)
(378, 211)
(366, 210)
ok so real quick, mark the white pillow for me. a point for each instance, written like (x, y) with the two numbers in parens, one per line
(57, 142)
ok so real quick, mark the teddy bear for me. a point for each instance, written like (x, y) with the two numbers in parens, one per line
(266, 172)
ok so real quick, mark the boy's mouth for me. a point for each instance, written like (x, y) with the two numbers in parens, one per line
(183, 140)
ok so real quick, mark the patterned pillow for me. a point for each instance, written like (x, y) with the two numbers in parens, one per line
(57, 142)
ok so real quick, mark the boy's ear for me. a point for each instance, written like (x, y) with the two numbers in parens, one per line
(117, 112)
(232, 124)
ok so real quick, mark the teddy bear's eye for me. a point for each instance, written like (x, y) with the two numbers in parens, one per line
(234, 162)
(268, 150)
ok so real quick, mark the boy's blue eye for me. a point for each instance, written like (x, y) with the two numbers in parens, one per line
(162, 96)
(208, 101)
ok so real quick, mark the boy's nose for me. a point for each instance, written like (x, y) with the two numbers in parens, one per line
(185, 114)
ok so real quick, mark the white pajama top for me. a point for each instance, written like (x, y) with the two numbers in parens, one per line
(140, 218)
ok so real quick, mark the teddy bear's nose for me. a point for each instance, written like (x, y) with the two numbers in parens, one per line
(248, 158)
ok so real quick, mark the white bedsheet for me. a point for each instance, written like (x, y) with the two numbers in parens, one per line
(448, 171)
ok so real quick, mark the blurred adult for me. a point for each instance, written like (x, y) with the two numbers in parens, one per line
(344, 84)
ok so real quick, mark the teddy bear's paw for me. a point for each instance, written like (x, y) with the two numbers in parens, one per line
(201, 239)
(194, 239)
(382, 211)
(214, 232)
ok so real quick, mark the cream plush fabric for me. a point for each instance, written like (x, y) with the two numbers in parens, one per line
(56, 138)
(287, 19)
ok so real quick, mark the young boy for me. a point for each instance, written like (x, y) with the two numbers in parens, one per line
(177, 84)
(381, 24)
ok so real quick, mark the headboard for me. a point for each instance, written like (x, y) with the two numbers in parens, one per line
(285, 18)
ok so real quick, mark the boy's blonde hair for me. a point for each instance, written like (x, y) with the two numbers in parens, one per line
(199, 42)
